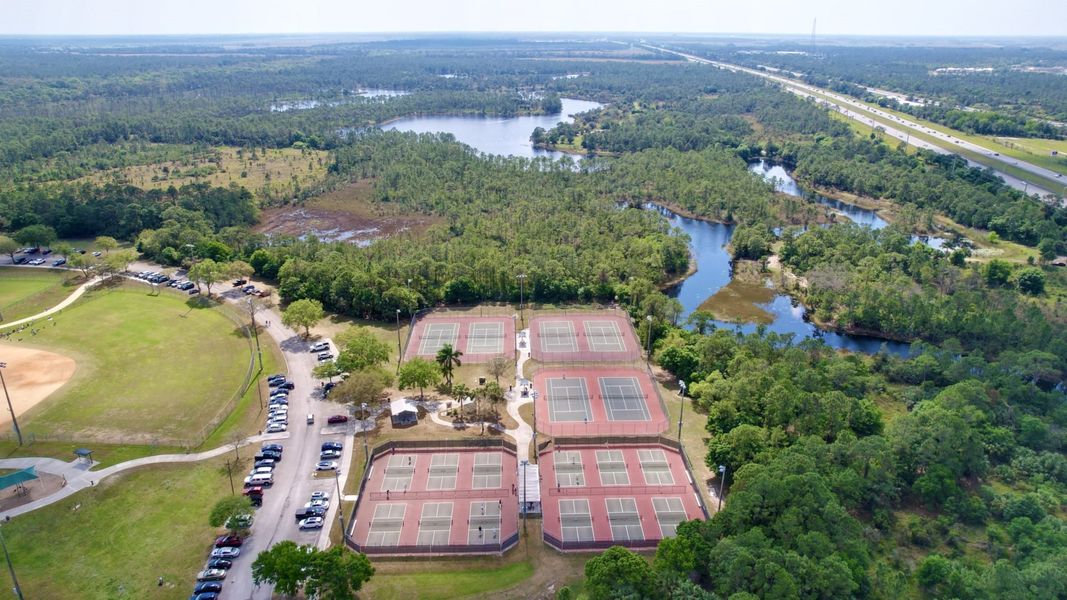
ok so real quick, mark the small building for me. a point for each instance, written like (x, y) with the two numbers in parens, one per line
(403, 412)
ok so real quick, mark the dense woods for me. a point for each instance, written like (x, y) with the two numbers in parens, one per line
(936, 474)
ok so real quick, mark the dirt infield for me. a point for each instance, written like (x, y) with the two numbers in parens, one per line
(571, 402)
(591, 337)
(31, 376)
(478, 338)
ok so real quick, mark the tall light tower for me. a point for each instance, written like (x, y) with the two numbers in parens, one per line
(14, 421)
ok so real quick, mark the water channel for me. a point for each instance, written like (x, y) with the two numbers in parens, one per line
(778, 312)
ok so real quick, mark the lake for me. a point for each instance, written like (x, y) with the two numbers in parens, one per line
(496, 135)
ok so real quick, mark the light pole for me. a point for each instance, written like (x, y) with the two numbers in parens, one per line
(255, 332)
(18, 432)
(522, 288)
(366, 434)
(399, 351)
(722, 479)
(11, 569)
(340, 509)
(681, 409)
(648, 358)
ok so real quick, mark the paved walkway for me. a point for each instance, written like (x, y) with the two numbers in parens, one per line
(65, 303)
(78, 475)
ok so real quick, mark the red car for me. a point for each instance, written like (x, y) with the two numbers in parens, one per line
(337, 419)
(228, 541)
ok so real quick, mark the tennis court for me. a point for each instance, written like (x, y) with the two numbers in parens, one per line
(478, 338)
(575, 520)
(624, 520)
(568, 400)
(595, 336)
(386, 525)
(635, 481)
(483, 526)
(583, 401)
(438, 335)
(435, 523)
(487, 471)
(443, 471)
(623, 399)
(453, 500)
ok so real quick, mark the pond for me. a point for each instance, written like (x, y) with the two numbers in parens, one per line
(505, 136)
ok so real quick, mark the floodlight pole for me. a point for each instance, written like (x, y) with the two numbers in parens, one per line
(648, 358)
(366, 434)
(399, 350)
(11, 569)
(14, 421)
(722, 480)
(681, 409)
(522, 288)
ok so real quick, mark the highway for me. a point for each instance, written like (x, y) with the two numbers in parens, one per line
(897, 127)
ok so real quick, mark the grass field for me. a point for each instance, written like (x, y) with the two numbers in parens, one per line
(26, 292)
(124, 533)
(151, 370)
(276, 173)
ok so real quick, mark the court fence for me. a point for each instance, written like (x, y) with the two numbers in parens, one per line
(391, 447)
(590, 545)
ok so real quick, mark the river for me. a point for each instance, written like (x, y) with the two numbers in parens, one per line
(508, 136)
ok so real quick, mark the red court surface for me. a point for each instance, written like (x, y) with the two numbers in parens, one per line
(598, 495)
(478, 338)
(579, 401)
(594, 336)
(438, 501)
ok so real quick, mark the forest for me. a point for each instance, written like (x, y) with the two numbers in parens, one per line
(939, 473)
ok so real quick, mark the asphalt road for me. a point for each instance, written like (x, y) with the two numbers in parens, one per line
(861, 112)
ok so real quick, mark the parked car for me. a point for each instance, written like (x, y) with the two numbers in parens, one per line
(20, 260)
(333, 446)
(276, 428)
(240, 521)
(337, 419)
(306, 512)
(46, 251)
(262, 470)
(226, 552)
(324, 357)
(276, 376)
(287, 385)
(98, 254)
(211, 575)
(194, 291)
(320, 495)
(218, 563)
(253, 491)
(265, 462)
(272, 448)
(329, 454)
(228, 540)
(312, 523)
(326, 465)
(59, 261)
(319, 347)
(265, 454)
(318, 504)
(205, 596)
(239, 282)
(207, 586)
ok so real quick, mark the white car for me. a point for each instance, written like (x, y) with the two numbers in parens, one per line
(318, 504)
(326, 465)
(320, 495)
(319, 347)
(225, 552)
(312, 523)
(277, 427)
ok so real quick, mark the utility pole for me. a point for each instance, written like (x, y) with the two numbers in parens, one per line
(11, 569)
(722, 480)
(229, 473)
(399, 351)
(648, 358)
(681, 409)
(18, 432)
(255, 332)
(522, 288)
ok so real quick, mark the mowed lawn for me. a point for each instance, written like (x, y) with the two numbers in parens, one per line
(25, 292)
(125, 532)
(151, 370)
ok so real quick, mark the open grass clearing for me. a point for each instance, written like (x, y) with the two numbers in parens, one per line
(113, 540)
(25, 292)
(151, 369)
(269, 174)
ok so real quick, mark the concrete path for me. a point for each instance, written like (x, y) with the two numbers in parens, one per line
(65, 303)
(78, 475)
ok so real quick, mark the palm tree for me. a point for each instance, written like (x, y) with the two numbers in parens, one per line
(448, 358)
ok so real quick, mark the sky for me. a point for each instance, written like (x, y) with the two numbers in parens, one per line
(834, 17)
